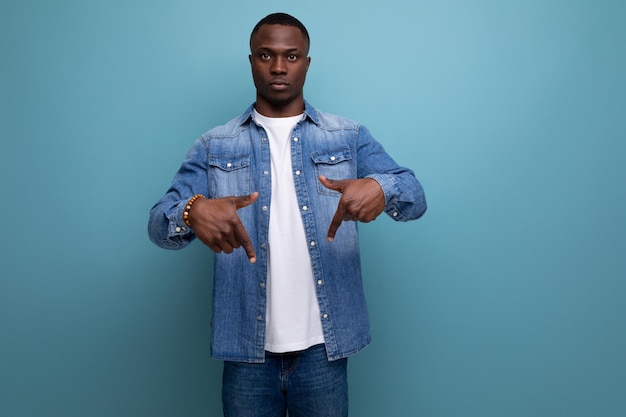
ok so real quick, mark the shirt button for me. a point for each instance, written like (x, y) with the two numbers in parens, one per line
(325, 316)
(319, 282)
(295, 139)
(305, 208)
(262, 285)
(229, 165)
(332, 158)
(178, 230)
(297, 172)
(263, 245)
(259, 318)
(264, 208)
(312, 243)
(395, 214)
(265, 172)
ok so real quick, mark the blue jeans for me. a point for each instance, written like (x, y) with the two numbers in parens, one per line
(305, 384)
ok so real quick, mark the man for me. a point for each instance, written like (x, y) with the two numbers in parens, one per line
(276, 194)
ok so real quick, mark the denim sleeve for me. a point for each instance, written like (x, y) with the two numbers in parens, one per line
(166, 227)
(404, 195)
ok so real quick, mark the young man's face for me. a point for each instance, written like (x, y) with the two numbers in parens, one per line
(279, 64)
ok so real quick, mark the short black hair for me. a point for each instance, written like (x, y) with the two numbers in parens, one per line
(281, 19)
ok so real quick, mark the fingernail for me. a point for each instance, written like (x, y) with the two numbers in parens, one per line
(252, 260)
(330, 239)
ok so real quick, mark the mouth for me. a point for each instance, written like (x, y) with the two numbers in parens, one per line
(278, 85)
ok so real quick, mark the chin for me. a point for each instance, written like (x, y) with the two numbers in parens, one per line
(279, 101)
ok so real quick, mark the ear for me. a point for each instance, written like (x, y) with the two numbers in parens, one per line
(250, 58)
(308, 62)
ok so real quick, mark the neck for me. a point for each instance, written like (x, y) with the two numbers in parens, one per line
(293, 108)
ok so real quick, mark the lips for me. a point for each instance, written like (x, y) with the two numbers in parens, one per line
(278, 84)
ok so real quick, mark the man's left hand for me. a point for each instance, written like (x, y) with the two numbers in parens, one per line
(361, 200)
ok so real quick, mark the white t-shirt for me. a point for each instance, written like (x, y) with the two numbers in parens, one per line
(293, 315)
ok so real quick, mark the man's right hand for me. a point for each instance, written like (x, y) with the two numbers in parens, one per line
(216, 223)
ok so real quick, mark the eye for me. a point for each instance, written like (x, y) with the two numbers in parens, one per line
(292, 57)
(264, 56)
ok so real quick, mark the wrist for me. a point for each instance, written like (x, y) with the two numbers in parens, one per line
(188, 208)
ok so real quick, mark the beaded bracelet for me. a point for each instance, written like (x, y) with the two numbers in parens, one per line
(188, 207)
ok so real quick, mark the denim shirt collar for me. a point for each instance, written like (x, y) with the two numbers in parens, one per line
(309, 111)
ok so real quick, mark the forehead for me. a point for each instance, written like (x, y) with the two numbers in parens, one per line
(278, 37)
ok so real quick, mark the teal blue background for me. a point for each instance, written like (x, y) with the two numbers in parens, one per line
(506, 299)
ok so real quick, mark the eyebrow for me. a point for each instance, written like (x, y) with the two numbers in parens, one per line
(268, 49)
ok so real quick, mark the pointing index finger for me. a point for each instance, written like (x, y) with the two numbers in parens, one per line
(335, 223)
(240, 231)
(245, 241)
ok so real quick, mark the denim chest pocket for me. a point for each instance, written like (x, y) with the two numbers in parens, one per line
(229, 175)
(334, 164)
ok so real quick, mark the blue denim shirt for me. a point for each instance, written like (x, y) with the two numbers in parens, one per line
(234, 160)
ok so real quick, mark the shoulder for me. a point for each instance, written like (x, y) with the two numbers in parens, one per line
(232, 128)
(329, 121)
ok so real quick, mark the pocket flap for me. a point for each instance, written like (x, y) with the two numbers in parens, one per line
(229, 163)
(333, 156)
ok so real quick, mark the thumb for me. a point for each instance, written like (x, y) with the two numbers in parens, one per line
(245, 200)
(331, 184)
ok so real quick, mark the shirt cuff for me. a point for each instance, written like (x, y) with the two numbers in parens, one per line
(176, 226)
(388, 184)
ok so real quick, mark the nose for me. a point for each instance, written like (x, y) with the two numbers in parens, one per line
(278, 66)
